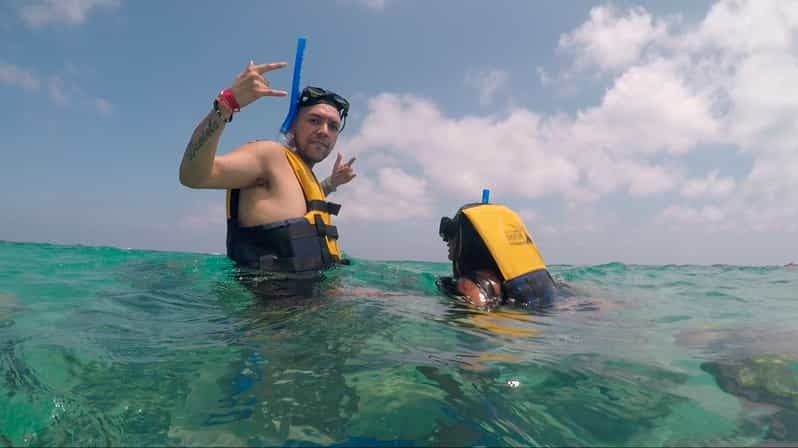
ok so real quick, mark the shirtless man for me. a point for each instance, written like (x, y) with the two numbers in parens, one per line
(277, 219)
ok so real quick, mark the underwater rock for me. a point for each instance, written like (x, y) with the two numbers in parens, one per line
(8, 307)
(783, 427)
(771, 379)
(741, 342)
(9, 302)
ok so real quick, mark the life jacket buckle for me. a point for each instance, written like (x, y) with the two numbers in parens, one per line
(323, 229)
(323, 206)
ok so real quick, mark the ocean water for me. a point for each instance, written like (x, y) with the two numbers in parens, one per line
(102, 346)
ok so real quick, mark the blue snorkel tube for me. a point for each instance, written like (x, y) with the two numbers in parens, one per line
(300, 50)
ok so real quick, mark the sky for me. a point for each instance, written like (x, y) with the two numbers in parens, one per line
(638, 132)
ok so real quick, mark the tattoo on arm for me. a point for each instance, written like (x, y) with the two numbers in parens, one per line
(211, 126)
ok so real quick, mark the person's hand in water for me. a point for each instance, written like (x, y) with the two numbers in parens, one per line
(342, 173)
(251, 83)
(484, 293)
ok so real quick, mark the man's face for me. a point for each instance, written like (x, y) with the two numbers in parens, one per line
(316, 131)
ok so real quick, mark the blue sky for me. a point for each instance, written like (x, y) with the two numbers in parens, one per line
(640, 132)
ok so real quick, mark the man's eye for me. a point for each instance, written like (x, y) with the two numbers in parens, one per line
(334, 127)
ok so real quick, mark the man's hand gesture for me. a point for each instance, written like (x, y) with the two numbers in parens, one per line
(250, 84)
(342, 173)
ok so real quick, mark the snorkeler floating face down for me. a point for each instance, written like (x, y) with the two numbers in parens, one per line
(480, 287)
(494, 259)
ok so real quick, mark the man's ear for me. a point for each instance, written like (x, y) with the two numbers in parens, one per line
(290, 134)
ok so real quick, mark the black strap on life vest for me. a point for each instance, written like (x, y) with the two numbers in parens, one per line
(323, 229)
(303, 230)
(234, 194)
(329, 231)
(251, 246)
(324, 206)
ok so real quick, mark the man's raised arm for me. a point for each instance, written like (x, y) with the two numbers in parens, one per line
(200, 167)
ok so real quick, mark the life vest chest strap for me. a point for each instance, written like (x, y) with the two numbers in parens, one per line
(324, 206)
(323, 229)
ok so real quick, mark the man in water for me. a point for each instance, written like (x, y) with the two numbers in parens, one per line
(277, 216)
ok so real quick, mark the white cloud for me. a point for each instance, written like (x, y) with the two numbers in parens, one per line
(372, 5)
(733, 215)
(543, 76)
(774, 179)
(58, 92)
(746, 27)
(63, 92)
(15, 76)
(709, 186)
(67, 93)
(757, 47)
(39, 13)
(578, 219)
(528, 215)
(647, 113)
(779, 218)
(645, 179)
(726, 79)
(103, 105)
(464, 155)
(611, 41)
(765, 113)
(202, 218)
(487, 82)
(679, 216)
(649, 108)
(391, 195)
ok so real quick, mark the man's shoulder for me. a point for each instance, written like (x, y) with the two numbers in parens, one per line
(263, 145)
(264, 148)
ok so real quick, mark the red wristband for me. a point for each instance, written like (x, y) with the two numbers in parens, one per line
(227, 95)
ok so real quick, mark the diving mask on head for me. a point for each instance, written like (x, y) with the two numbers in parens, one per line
(447, 229)
(314, 95)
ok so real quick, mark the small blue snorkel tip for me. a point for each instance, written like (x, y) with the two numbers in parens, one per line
(485, 196)
(300, 50)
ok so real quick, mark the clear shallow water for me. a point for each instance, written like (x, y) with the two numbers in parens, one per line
(100, 346)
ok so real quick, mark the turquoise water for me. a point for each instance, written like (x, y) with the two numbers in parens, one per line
(101, 346)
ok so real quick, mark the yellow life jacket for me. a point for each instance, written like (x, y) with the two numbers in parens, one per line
(318, 208)
(308, 243)
(506, 238)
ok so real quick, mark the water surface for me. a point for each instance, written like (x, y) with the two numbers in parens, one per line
(102, 346)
